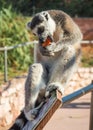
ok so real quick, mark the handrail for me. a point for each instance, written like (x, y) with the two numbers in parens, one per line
(35, 42)
(18, 45)
(6, 48)
(77, 94)
(87, 42)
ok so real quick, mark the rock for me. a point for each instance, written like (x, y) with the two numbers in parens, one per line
(4, 100)
(86, 76)
(8, 118)
(1, 111)
(19, 86)
(81, 70)
(76, 77)
(82, 83)
(72, 83)
(11, 91)
(4, 109)
(91, 70)
(5, 94)
(3, 122)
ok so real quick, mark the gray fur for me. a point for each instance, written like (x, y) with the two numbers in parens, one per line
(55, 63)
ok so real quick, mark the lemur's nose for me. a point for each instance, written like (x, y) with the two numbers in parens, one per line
(41, 39)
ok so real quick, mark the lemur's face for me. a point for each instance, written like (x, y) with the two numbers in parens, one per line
(42, 25)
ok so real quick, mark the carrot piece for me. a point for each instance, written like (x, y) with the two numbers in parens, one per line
(46, 43)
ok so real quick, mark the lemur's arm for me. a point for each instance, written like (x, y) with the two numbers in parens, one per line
(71, 35)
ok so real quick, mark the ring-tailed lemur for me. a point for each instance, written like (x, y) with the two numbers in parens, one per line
(56, 62)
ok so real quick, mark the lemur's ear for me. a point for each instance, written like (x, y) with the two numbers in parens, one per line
(46, 16)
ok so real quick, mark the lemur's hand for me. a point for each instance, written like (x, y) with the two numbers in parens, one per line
(51, 47)
(46, 51)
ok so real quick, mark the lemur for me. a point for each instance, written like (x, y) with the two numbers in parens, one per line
(56, 62)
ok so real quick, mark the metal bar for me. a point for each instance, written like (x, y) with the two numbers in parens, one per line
(87, 42)
(19, 45)
(5, 65)
(67, 99)
(5, 49)
(91, 112)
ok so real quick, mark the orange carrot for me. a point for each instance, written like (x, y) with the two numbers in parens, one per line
(47, 42)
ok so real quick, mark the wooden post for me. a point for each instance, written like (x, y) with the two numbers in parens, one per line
(91, 112)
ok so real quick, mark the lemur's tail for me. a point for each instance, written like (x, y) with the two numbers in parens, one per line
(19, 122)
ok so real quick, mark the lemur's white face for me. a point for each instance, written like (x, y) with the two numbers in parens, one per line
(42, 25)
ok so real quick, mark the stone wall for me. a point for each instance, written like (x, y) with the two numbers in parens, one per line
(12, 94)
(11, 100)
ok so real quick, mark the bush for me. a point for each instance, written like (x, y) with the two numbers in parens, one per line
(12, 32)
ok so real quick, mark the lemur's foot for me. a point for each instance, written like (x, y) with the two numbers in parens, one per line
(53, 86)
(31, 115)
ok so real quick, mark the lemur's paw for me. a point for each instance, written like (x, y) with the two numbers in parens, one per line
(31, 115)
(53, 86)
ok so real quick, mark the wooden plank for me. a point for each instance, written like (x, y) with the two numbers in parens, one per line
(91, 112)
(45, 113)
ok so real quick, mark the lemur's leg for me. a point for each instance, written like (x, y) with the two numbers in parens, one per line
(62, 71)
(34, 83)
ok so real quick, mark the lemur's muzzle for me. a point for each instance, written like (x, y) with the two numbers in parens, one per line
(42, 40)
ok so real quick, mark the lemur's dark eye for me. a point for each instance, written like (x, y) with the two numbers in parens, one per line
(41, 30)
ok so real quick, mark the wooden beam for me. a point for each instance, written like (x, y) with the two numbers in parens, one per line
(45, 113)
(91, 112)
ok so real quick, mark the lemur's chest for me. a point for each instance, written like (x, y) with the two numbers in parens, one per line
(46, 59)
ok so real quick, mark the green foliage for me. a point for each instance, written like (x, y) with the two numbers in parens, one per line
(12, 32)
(82, 8)
(86, 61)
(12, 28)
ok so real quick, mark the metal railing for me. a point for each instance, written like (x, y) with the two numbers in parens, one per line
(6, 49)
